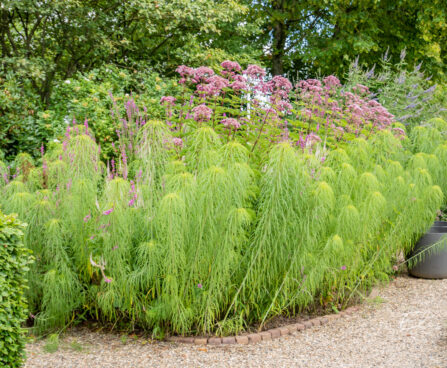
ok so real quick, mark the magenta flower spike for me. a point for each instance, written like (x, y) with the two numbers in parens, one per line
(108, 212)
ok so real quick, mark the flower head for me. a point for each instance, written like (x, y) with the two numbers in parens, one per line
(185, 71)
(178, 142)
(231, 65)
(202, 113)
(279, 86)
(331, 82)
(238, 85)
(312, 138)
(361, 89)
(213, 86)
(254, 71)
(168, 100)
(231, 123)
(202, 73)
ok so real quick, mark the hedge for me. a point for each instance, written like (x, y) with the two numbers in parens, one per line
(14, 261)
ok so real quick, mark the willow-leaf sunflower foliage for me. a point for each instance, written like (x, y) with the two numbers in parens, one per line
(198, 236)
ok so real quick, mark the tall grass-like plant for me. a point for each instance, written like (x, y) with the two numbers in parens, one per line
(279, 237)
(61, 289)
(196, 229)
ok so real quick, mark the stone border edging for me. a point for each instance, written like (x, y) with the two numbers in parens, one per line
(267, 335)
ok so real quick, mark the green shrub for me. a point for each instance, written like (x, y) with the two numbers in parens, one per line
(27, 123)
(14, 262)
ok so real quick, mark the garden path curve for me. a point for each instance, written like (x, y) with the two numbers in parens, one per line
(403, 325)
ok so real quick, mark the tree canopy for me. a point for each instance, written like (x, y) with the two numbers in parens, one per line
(46, 40)
(324, 36)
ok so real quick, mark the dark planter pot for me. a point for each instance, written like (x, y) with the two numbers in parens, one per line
(434, 263)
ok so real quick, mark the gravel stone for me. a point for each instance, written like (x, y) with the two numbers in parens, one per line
(405, 325)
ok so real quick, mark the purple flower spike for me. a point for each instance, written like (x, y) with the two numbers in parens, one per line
(106, 279)
(88, 217)
(343, 268)
(108, 212)
(199, 286)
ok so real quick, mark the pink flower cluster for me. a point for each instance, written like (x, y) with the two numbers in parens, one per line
(323, 104)
(213, 86)
(202, 113)
(231, 123)
(178, 142)
(364, 111)
(255, 72)
(133, 194)
(278, 86)
(330, 106)
(168, 100)
(230, 66)
(209, 84)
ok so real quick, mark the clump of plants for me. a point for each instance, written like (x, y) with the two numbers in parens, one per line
(248, 106)
(406, 91)
(225, 213)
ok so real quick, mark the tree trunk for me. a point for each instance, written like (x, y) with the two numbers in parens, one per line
(279, 44)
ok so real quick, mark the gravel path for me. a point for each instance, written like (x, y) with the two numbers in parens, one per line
(404, 326)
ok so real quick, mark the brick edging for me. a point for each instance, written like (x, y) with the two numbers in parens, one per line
(267, 335)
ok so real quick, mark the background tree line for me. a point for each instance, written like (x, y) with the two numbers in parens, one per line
(45, 42)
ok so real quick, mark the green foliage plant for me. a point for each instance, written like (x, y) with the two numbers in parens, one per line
(15, 259)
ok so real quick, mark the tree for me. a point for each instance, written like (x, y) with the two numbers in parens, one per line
(44, 42)
(324, 36)
(52, 39)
